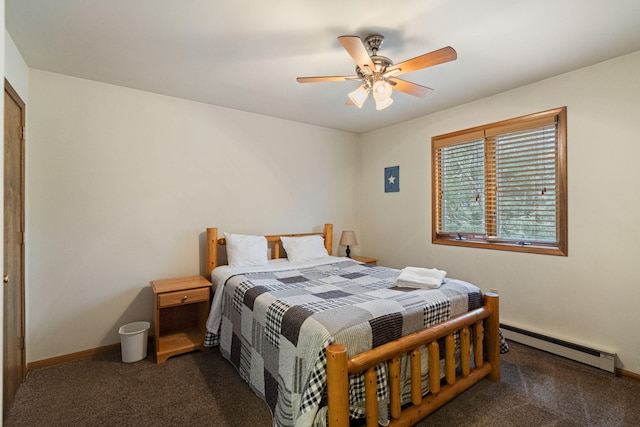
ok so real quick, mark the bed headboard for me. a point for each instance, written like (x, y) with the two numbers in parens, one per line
(273, 240)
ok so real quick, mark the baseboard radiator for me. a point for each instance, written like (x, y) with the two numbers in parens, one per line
(590, 356)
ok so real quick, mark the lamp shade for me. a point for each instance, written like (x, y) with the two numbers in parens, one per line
(348, 238)
(359, 95)
(382, 94)
(381, 105)
(382, 90)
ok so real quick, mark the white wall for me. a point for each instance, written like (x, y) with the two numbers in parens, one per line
(15, 69)
(589, 297)
(121, 185)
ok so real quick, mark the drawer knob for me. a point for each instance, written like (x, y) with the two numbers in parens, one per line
(184, 298)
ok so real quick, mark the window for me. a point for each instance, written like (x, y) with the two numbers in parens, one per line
(503, 185)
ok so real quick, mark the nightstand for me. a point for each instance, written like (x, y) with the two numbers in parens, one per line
(366, 260)
(181, 307)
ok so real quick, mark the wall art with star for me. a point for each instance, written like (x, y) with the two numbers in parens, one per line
(392, 179)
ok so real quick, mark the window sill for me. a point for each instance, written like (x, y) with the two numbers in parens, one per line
(513, 247)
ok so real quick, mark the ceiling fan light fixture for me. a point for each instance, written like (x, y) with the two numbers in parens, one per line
(359, 95)
(382, 104)
(382, 90)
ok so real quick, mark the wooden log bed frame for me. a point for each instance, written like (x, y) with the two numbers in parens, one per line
(484, 322)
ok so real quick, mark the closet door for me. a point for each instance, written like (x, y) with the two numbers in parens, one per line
(13, 276)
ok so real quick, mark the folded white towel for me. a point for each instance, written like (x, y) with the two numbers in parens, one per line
(422, 278)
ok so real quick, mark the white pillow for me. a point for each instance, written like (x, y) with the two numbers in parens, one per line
(246, 251)
(304, 248)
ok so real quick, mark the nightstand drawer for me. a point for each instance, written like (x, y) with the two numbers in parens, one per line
(183, 297)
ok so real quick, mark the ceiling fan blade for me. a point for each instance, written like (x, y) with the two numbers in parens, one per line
(326, 79)
(410, 88)
(430, 59)
(354, 47)
(349, 102)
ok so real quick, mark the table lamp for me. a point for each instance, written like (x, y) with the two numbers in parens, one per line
(347, 239)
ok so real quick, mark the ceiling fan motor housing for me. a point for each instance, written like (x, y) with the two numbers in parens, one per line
(373, 42)
(381, 63)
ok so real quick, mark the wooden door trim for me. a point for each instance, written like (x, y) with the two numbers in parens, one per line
(14, 95)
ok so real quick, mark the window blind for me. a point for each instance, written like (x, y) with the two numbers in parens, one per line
(462, 188)
(525, 197)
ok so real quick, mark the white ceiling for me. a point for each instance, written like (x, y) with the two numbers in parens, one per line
(246, 55)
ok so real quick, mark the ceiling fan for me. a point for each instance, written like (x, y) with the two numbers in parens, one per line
(379, 74)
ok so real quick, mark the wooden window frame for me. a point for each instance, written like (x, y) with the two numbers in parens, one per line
(560, 246)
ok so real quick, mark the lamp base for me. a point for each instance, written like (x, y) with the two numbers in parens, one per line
(348, 252)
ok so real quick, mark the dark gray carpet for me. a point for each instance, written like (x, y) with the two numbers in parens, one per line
(203, 389)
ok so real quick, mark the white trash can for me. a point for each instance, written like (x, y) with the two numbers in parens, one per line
(133, 340)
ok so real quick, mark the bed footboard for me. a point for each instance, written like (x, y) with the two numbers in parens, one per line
(486, 354)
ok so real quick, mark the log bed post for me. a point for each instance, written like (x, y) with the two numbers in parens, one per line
(492, 335)
(212, 251)
(328, 238)
(338, 390)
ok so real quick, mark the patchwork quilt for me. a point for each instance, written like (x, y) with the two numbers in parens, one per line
(275, 326)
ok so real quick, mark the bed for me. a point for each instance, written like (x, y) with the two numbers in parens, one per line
(324, 340)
